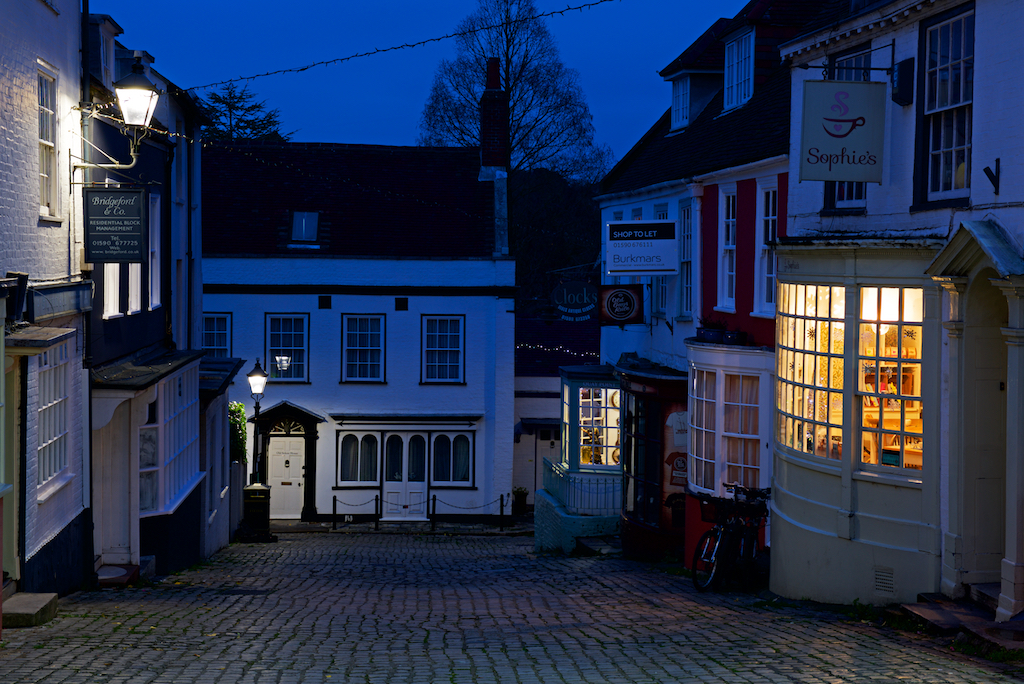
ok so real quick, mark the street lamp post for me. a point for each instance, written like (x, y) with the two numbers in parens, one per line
(257, 383)
(256, 497)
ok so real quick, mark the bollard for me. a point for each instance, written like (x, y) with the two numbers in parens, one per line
(334, 515)
(501, 514)
(433, 516)
(376, 512)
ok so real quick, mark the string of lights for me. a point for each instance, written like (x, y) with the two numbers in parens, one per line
(558, 348)
(393, 48)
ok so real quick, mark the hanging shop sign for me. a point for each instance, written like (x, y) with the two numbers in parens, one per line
(575, 301)
(622, 304)
(115, 223)
(641, 248)
(843, 131)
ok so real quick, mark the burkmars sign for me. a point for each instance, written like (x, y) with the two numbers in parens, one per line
(843, 131)
(641, 248)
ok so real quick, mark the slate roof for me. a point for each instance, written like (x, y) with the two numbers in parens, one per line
(373, 201)
(756, 130)
(707, 53)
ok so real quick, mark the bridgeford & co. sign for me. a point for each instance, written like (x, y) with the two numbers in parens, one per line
(115, 222)
(843, 131)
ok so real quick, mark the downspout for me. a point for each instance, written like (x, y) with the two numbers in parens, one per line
(189, 210)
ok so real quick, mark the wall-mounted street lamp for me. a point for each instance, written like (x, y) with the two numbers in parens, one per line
(137, 98)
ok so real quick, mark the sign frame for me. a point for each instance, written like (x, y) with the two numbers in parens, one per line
(116, 222)
(842, 131)
(641, 248)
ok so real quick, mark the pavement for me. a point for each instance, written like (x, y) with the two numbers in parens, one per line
(457, 605)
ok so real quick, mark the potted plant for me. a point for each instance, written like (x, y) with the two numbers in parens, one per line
(710, 329)
(734, 337)
(519, 500)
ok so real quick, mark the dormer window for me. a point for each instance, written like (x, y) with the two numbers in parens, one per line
(739, 70)
(681, 102)
(304, 226)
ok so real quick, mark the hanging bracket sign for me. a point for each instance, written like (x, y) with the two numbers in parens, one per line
(115, 222)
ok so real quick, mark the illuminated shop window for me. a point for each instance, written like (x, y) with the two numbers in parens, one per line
(809, 367)
(591, 426)
(889, 376)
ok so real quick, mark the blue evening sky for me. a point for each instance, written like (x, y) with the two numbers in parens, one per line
(617, 47)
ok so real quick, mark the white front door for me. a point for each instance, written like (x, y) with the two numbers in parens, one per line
(405, 476)
(284, 461)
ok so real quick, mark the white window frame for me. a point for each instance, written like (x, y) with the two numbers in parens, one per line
(739, 70)
(431, 350)
(211, 325)
(767, 232)
(48, 125)
(305, 225)
(277, 342)
(686, 259)
(680, 102)
(851, 67)
(737, 411)
(448, 479)
(703, 428)
(368, 463)
(155, 300)
(52, 416)
(111, 290)
(941, 167)
(165, 484)
(727, 225)
(357, 347)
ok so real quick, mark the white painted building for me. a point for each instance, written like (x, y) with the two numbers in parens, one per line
(374, 285)
(44, 467)
(919, 484)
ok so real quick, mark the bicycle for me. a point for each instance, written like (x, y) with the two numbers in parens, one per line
(732, 544)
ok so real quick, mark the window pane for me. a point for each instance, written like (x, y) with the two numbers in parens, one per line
(442, 459)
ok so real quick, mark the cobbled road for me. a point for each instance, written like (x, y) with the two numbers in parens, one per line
(322, 607)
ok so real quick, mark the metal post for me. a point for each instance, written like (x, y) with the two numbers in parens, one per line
(376, 512)
(257, 464)
(501, 514)
(433, 516)
(334, 515)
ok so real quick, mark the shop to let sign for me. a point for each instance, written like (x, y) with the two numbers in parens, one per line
(641, 248)
(843, 131)
(115, 223)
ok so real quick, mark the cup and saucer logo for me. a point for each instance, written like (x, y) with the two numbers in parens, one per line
(840, 128)
(621, 304)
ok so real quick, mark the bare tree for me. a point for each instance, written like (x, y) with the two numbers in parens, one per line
(549, 120)
(235, 114)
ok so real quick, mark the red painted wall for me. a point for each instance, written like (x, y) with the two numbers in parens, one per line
(760, 331)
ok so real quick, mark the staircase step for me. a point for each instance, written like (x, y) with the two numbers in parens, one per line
(29, 610)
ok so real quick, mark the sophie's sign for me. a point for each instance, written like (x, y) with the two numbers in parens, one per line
(115, 223)
(641, 248)
(843, 131)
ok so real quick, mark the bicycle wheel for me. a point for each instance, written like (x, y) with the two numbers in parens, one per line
(705, 560)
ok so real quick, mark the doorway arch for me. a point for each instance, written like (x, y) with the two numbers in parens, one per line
(289, 432)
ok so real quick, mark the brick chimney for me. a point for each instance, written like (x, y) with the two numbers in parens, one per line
(494, 134)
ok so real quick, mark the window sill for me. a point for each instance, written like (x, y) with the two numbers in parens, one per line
(47, 490)
(893, 479)
(464, 487)
(844, 211)
(427, 383)
(46, 218)
(952, 203)
(769, 315)
(725, 309)
(685, 318)
(348, 381)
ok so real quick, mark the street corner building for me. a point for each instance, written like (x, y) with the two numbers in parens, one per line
(375, 286)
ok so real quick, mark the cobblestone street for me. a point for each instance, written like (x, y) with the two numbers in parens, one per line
(396, 608)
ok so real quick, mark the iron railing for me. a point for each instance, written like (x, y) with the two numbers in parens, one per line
(584, 493)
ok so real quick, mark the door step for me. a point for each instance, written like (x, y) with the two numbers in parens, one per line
(29, 610)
